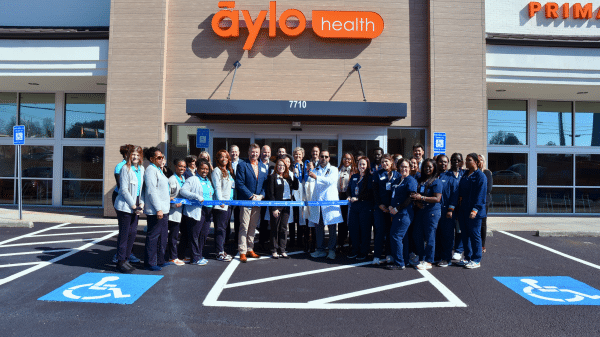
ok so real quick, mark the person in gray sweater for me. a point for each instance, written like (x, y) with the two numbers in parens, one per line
(129, 204)
(157, 197)
(176, 181)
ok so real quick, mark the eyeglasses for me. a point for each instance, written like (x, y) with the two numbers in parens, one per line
(324, 156)
(160, 157)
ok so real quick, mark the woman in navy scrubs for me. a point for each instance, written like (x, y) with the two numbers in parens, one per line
(427, 198)
(402, 215)
(472, 191)
(360, 218)
(383, 180)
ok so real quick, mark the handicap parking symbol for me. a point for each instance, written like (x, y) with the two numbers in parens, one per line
(103, 288)
(552, 290)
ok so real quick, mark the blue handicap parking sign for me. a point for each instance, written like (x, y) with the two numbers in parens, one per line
(103, 288)
(552, 290)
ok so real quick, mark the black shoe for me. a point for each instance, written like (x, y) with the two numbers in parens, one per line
(122, 267)
(128, 266)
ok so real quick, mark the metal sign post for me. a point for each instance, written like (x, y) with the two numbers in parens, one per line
(18, 140)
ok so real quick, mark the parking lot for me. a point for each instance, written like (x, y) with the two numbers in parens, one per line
(59, 279)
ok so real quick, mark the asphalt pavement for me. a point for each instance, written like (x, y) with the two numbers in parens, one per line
(300, 296)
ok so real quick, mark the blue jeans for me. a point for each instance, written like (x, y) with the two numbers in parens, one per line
(399, 239)
(471, 238)
(426, 225)
(383, 223)
(320, 232)
(360, 219)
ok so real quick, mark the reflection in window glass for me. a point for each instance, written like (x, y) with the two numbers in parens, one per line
(554, 123)
(324, 144)
(8, 113)
(37, 114)
(37, 192)
(274, 144)
(7, 191)
(84, 115)
(37, 161)
(587, 200)
(508, 168)
(509, 200)
(83, 162)
(401, 141)
(587, 170)
(7, 161)
(507, 122)
(555, 200)
(224, 143)
(555, 169)
(82, 193)
(366, 147)
(587, 123)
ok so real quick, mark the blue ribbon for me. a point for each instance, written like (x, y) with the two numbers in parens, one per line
(250, 203)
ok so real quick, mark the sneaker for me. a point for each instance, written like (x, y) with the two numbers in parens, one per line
(462, 263)
(456, 256)
(318, 254)
(177, 262)
(224, 257)
(201, 262)
(444, 263)
(483, 250)
(424, 265)
(394, 267)
(413, 260)
(375, 261)
(121, 267)
(133, 258)
(389, 259)
(168, 263)
(472, 265)
(352, 256)
(331, 255)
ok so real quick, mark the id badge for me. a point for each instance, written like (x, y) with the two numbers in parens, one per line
(262, 169)
(278, 182)
(356, 191)
(422, 189)
(388, 186)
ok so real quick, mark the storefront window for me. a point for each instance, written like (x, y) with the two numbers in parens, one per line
(401, 141)
(555, 200)
(554, 123)
(37, 191)
(587, 123)
(81, 193)
(274, 144)
(362, 147)
(587, 170)
(224, 143)
(587, 200)
(507, 122)
(7, 161)
(84, 115)
(7, 191)
(37, 161)
(37, 114)
(8, 113)
(508, 168)
(508, 200)
(83, 162)
(555, 170)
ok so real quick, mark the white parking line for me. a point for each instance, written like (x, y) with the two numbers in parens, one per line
(37, 252)
(32, 233)
(86, 227)
(553, 250)
(77, 233)
(56, 259)
(19, 264)
(212, 299)
(43, 243)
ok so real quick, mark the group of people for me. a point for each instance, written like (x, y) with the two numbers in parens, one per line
(418, 211)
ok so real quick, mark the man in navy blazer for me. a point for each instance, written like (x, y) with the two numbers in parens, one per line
(249, 183)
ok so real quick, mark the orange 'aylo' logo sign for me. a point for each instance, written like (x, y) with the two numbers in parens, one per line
(327, 24)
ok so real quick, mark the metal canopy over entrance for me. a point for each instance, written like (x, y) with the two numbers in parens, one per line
(314, 112)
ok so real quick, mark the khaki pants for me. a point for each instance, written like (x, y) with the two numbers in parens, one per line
(250, 219)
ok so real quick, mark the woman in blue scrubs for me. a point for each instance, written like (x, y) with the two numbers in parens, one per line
(427, 198)
(360, 218)
(402, 215)
(472, 191)
(383, 180)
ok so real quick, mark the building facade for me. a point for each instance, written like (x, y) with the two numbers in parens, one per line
(502, 78)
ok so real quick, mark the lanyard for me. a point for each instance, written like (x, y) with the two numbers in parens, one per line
(161, 171)
(180, 181)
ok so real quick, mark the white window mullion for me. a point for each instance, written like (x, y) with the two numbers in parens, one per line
(57, 171)
(532, 160)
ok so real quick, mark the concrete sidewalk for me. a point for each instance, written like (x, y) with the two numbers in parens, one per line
(546, 225)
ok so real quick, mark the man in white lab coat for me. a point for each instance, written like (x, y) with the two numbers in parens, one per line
(326, 178)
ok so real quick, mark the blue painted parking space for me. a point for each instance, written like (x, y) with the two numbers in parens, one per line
(103, 288)
(552, 290)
